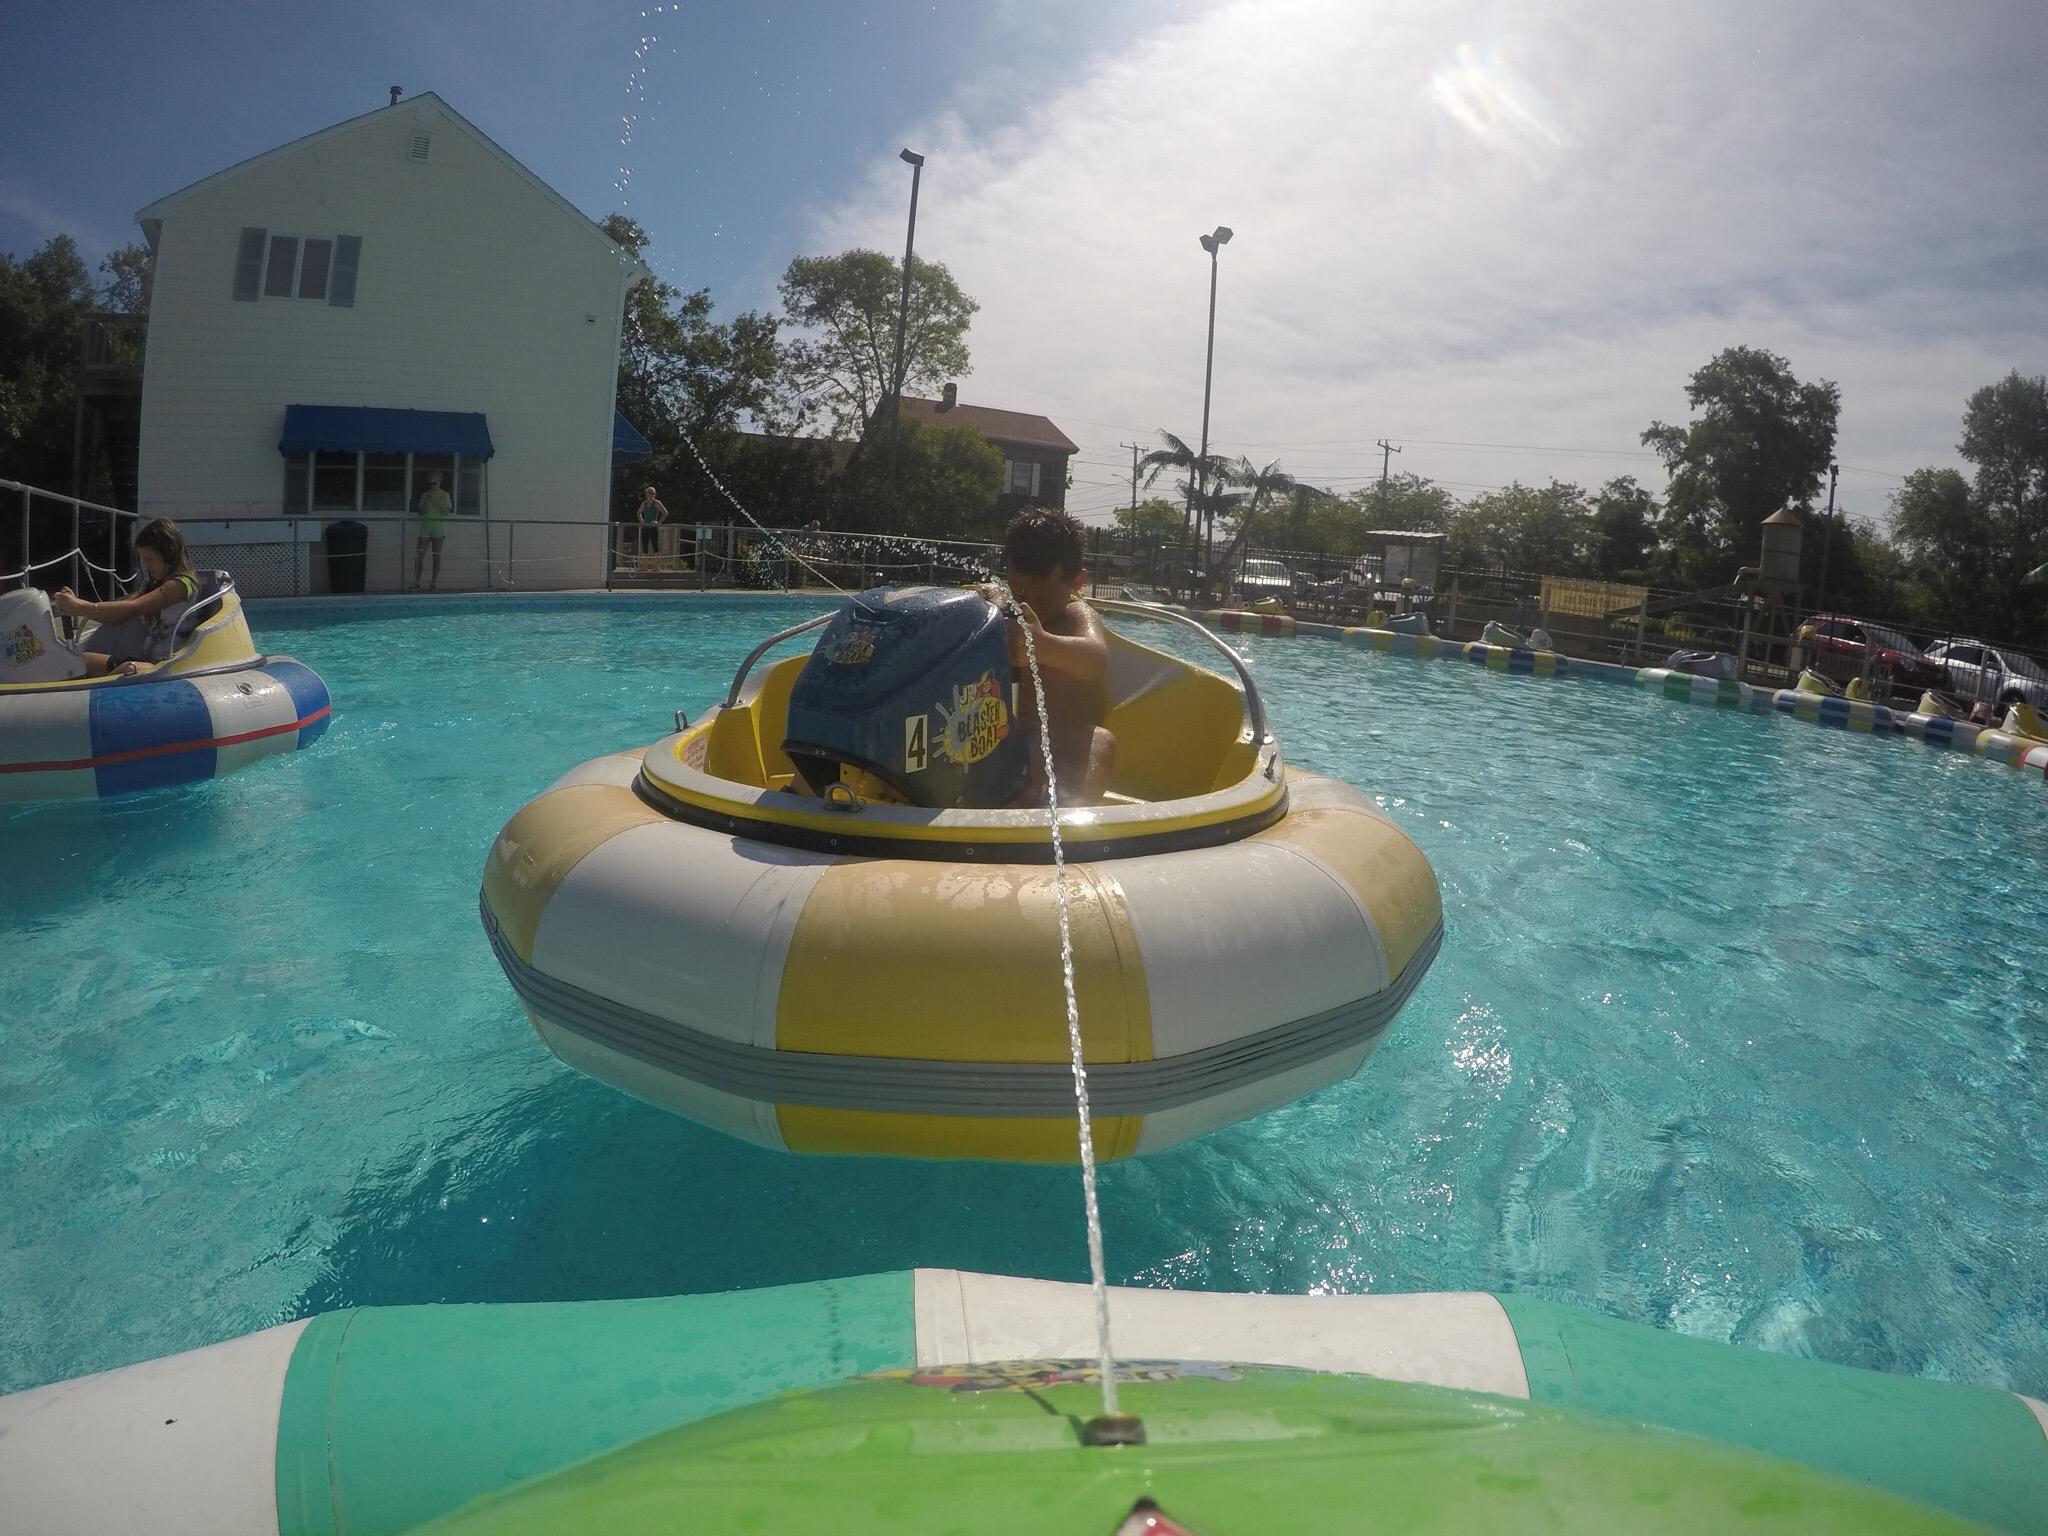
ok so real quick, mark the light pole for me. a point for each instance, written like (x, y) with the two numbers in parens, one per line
(916, 163)
(1211, 244)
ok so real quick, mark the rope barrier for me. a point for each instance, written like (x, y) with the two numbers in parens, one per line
(74, 553)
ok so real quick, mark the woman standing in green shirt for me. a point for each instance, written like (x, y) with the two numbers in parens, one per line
(652, 515)
(434, 510)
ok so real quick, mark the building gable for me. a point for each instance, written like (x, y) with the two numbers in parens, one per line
(430, 112)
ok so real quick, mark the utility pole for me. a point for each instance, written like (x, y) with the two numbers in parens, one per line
(1387, 451)
(1827, 539)
(1151, 556)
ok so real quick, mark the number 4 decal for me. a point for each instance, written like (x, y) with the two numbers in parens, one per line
(913, 744)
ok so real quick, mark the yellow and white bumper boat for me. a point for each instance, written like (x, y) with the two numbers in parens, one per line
(843, 975)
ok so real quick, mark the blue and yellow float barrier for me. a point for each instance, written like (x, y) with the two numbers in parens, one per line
(1692, 688)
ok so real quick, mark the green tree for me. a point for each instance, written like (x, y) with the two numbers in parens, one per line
(2005, 434)
(1264, 510)
(130, 273)
(844, 310)
(786, 482)
(1971, 542)
(1758, 439)
(1621, 536)
(683, 375)
(1869, 574)
(1542, 531)
(1406, 501)
(1154, 521)
(1953, 544)
(44, 300)
(944, 484)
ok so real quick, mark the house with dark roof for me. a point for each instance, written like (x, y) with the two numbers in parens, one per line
(1035, 452)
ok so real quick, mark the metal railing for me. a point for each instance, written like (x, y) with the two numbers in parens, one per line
(111, 344)
(53, 538)
(56, 540)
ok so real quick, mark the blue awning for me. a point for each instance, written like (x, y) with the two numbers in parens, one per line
(374, 429)
(627, 443)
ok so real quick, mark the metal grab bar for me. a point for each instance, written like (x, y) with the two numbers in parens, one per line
(732, 697)
(1255, 707)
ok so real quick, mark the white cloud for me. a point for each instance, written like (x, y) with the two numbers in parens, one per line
(1495, 224)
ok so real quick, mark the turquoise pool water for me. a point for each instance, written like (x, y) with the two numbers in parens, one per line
(1739, 1030)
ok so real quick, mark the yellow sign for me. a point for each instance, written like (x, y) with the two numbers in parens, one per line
(23, 647)
(856, 649)
(978, 720)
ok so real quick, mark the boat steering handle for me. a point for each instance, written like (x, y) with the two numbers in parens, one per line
(1255, 707)
(732, 697)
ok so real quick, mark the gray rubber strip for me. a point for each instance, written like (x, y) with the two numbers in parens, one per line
(1004, 1090)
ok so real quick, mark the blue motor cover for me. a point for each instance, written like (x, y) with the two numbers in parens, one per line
(912, 685)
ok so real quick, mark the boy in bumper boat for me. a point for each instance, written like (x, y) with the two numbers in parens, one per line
(1043, 555)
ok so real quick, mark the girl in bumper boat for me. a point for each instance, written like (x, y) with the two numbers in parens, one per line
(138, 629)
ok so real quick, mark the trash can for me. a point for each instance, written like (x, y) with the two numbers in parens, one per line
(348, 556)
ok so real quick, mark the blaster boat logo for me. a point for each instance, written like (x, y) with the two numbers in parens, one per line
(857, 649)
(22, 647)
(978, 720)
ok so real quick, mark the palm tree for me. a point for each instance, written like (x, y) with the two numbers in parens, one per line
(1262, 486)
(1177, 454)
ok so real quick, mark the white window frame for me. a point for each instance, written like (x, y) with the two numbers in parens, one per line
(1010, 476)
(453, 487)
(297, 269)
(271, 237)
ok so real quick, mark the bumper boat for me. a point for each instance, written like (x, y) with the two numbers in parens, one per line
(732, 1412)
(876, 971)
(213, 705)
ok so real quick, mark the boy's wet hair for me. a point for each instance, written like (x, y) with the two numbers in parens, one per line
(1044, 541)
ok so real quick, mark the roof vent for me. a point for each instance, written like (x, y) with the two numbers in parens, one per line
(422, 148)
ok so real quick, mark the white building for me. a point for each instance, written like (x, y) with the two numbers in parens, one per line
(335, 318)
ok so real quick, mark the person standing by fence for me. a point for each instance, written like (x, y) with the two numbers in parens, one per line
(434, 509)
(652, 515)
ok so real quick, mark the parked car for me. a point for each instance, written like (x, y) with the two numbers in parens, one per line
(1974, 670)
(1843, 646)
(1257, 580)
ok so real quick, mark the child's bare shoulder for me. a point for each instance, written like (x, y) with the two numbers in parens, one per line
(1077, 618)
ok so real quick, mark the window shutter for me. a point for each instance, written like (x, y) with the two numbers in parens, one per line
(284, 267)
(341, 285)
(314, 268)
(1034, 481)
(249, 264)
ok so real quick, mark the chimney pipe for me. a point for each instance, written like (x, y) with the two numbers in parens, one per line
(396, 92)
(950, 397)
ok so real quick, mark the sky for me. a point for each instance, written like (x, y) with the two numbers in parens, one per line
(1499, 235)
